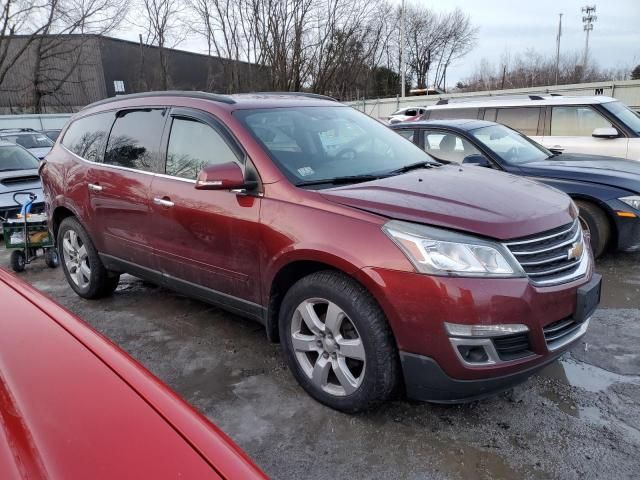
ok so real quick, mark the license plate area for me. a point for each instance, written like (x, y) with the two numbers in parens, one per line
(588, 299)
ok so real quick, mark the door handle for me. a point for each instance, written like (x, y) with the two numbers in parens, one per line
(163, 202)
(94, 187)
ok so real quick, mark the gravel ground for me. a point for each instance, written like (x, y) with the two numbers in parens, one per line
(578, 419)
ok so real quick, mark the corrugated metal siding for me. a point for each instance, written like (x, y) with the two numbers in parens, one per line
(84, 85)
(627, 92)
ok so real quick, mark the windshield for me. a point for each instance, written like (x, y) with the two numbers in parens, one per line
(311, 144)
(29, 140)
(511, 146)
(627, 116)
(16, 158)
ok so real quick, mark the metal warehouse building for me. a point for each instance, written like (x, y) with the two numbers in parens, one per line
(65, 73)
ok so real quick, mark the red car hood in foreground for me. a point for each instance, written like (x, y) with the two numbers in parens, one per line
(74, 406)
(471, 199)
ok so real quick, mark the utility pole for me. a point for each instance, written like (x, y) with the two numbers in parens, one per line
(402, 75)
(558, 49)
(587, 20)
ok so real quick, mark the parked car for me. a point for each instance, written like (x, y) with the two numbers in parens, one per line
(606, 190)
(75, 406)
(52, 133)
(18, 173)
(593, 125)
(376, 267)
(406, 114)
(36, 142)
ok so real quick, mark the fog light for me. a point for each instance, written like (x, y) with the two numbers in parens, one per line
(484, 331)
(473, 354)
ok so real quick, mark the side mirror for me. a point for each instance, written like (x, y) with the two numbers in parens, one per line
(225, 176)
(605, 132)
(477, 160)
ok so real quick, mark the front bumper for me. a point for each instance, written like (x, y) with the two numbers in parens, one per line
(418, 306)
(627, 227)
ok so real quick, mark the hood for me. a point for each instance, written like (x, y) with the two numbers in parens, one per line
(612, 171)
(19, 181)
(471, 199)
(40, 152)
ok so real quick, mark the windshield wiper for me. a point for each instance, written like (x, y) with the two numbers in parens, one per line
(414, 166)
(341, 180)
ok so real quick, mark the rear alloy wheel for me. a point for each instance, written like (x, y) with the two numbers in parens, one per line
(82, 266)
(337, 342)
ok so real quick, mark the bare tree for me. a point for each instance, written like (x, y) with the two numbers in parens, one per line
(162, 23)
(532, 69)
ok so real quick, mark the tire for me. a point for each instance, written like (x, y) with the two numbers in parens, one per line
(595, 221)
(17, 261)
(51, 257)
(360, 330)
(81, 264)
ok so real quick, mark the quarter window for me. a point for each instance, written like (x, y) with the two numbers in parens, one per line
(408, 134)
(135, 139)
(524, 120)
(192, 146)
(87, 136)
(578, 121)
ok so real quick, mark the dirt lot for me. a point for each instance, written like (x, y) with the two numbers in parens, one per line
(579, 418)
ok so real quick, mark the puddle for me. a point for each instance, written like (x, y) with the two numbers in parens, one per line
(595, 416)
(583, 375)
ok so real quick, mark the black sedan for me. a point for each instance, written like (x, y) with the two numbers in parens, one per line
(605, 189)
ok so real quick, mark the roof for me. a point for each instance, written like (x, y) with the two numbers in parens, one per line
(256, 100)
(82, 408)
(458, 124)
(524, 101)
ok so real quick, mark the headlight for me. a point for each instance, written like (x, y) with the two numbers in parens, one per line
(443, 252)
(633, 201)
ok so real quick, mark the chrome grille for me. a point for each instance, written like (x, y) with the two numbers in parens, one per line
(550, 258)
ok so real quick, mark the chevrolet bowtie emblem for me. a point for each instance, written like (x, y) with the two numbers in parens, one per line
(575, 251)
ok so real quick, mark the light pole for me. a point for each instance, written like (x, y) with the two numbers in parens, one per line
(588, 18)
(402, 77)
(558, 48)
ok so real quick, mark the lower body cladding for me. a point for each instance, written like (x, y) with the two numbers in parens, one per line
(461, 339)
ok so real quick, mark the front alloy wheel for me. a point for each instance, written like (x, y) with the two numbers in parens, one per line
(328, 347)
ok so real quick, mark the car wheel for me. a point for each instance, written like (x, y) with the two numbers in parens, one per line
(82, 266)
(595, 222)
(17, 261)
(51, 257)
(337, 342)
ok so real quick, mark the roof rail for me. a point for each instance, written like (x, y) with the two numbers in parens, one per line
(446, 101)
(297, 94)
(17, 130)
(167, 93)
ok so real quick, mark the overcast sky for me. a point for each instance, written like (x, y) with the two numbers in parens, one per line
(516, 25)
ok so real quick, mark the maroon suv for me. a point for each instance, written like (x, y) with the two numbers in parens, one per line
(376, 268)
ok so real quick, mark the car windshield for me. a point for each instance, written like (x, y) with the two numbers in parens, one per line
(16, 158)
(312, 144)
(511, 146)
(627, 116)
(29, 140)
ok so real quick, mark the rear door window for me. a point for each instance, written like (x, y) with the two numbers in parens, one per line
(135, 139)
(525, 120)
(448, 146)
(87, 136)
(192, 146)
(453, 113)
(576, 121)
